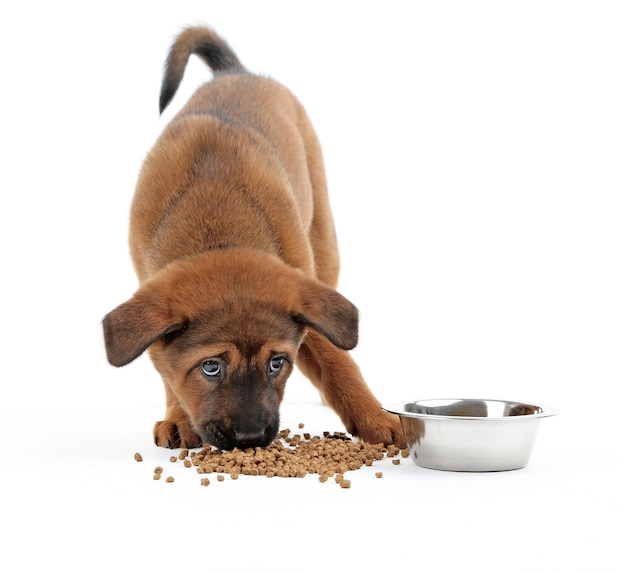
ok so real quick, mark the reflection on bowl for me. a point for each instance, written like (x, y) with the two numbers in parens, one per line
(470, 435)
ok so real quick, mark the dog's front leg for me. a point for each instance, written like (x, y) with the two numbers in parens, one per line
(175, 431)
(342, 387)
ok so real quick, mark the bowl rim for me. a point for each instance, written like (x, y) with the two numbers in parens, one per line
(398, 408)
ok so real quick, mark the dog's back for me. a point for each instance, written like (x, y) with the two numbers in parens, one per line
(241, 139)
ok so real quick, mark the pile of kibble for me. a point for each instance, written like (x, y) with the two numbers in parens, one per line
(297, 455)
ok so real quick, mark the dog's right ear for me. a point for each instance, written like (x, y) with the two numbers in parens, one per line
(133, 326)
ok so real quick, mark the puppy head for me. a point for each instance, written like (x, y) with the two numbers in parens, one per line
(223, 329)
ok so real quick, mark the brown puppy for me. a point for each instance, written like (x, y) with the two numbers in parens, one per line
(232, 239)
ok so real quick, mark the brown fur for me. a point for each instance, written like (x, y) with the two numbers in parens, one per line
(233, 242)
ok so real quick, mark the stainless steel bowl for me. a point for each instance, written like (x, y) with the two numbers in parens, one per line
(470, 435)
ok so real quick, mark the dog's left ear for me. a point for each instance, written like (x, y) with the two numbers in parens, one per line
(330, 313)
(133, 326)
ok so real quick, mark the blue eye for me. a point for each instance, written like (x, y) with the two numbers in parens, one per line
(211, 368)
(275, 365)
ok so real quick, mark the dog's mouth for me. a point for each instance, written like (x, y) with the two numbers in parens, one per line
(225, 436)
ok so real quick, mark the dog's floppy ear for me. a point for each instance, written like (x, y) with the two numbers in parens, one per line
(331, 314)
(133, 326)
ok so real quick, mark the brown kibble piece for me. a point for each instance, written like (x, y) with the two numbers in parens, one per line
(379, 474)
(345, 483)
(158, 470)
(220, 477)
(156, 476)
(169, 479)
(173, 459)
(138, 457)
(395, 462)
(205, 481)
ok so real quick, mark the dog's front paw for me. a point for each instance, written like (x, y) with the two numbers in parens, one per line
(171, 435)
(380, 428)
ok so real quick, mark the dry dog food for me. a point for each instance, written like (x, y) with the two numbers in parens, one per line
(294, 456)
(138, 457)
(289, 456)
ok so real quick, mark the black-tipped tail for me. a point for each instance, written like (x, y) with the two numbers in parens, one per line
(204, 43)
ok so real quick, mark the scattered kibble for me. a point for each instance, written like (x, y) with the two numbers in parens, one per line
(138, 457)
(289, 455)
(169, 479)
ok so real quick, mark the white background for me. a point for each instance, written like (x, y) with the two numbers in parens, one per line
(475, 154)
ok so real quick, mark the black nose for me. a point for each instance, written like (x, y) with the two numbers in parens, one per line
(227, 434)
(254, 439)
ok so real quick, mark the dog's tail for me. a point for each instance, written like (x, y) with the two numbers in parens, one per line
(204, 43)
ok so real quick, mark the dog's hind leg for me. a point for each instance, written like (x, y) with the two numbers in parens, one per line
(321, 232)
